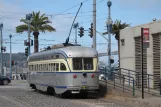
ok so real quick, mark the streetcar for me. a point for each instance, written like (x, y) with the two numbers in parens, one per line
(64, 70)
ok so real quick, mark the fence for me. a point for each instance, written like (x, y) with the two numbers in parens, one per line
(130, 80)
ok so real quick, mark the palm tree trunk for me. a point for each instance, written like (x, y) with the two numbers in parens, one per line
(119, 49)
(36, 42)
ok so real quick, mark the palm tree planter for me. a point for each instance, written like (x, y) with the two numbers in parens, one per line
(39, 23)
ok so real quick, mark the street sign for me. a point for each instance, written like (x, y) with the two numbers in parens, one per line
(146, 37)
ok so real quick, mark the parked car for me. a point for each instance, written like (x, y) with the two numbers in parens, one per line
(4, 80)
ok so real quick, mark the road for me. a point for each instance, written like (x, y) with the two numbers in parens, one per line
(19, 94)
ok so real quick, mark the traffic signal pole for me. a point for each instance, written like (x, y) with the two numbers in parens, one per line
(29, 37)
(1, 26)
(28, 17)
(94, 24)
(10, 57)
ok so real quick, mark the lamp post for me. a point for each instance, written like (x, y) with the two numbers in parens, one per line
(109, 25)
(1, 27)
(28, 17)
(10, 57)
(94, 24)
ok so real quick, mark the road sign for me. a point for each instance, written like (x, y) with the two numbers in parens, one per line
(146, 37)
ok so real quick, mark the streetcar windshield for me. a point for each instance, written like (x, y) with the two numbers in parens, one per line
(82, 63)
(88, 63)
(77, 64)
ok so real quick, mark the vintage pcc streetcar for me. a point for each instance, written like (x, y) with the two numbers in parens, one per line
(71, 69)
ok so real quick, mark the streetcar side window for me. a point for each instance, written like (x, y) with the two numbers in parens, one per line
(39, 67)
(49, 67)
(57, 66)
(62, 66)
(52, 67)
(43, 67)
(31, 67)
(88, 63)
(77, 64)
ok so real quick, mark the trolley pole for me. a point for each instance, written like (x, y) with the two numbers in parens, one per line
(109, 27)
(94, 24)
(10, 57)
(1, 26)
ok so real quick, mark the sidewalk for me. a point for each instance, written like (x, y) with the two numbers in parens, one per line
(137, 102)
(126, 97)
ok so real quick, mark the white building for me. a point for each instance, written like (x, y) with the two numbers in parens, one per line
(130, 50)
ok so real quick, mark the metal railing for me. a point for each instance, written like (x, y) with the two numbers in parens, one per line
(119, 80)
(138, 76)
(131, 79)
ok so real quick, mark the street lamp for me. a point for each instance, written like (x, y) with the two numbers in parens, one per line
(1, 27)
(109, 27)
(10, 58)
(29, 17)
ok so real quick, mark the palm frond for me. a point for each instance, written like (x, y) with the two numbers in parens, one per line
(39, 22)
(47, 28)
(24, 21)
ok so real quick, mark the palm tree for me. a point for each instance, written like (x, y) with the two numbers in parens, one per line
(116, 27)
(39, 23)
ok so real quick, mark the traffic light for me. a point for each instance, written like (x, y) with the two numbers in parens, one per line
(13, 62)
(112, 61)
(81, 32)
(26, 51)
(3, 48)
(91, 30)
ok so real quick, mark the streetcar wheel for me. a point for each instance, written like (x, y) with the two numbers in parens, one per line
(5, 82)
(51, 91)
(83, 95)
(66, 95)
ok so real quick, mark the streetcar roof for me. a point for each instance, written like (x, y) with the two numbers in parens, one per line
(70, 51)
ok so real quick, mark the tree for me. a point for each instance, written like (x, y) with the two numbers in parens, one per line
(116, 27)
(39, 23)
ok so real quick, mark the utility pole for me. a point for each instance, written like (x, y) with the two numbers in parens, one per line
(10, 57)
(94, 24)
(1, 26)
(28, 17)
(109, 25)
(76, 25)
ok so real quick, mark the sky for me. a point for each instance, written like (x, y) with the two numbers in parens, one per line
(62, 12)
